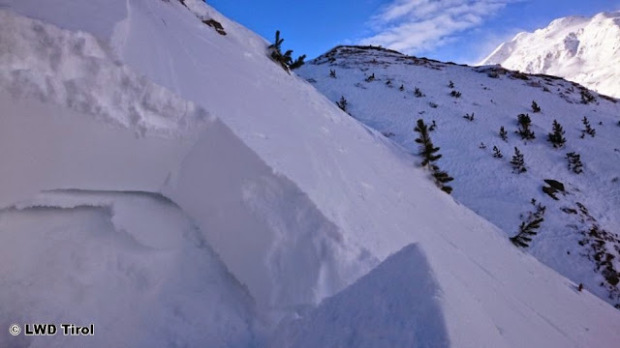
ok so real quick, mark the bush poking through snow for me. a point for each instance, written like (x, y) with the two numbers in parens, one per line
(429, 154)
(285, 59)
(497, 153)
(574, 162)
(529, 227)
(342, 104)
(556, 138)
(469, 117)
(535, 107)
(370, 78)
(588, 128)
(433, 126)
(455, 94)
(215, 25)
(332, 73)
(419, 94)
(503, 134)
(518, 162)
(587, 97)
(524, 127)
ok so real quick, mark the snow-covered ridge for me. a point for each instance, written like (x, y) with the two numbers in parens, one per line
(389, 92)
(585, 50)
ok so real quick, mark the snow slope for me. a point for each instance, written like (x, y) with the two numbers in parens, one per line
(484, 183)
(270, 199)
(584, 50)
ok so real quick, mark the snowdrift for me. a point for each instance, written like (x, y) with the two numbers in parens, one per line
(226, 196)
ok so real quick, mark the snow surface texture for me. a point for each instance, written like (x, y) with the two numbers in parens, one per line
(484, 183)
(584, 50)
(295, 199)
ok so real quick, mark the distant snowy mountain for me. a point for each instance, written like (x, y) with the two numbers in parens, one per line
(584, 50)
(164, 180)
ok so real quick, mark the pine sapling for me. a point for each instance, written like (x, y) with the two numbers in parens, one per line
(518, 162)
(286, 59)
(503, 134)
(418, 93)
(557, 136)
(588, 128)
(574, 162)
(429, 154)
(524, 130)
(370, 78)
(587, 97)
(441, 177)
(332, 73)
(401, 88)
(455, 94)
(497, 153)
(535, 107)
(529, 227)
(427, 149)
(342, 104)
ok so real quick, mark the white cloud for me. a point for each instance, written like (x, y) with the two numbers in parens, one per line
(413, 26)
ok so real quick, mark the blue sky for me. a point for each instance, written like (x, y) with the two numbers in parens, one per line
(462, 31)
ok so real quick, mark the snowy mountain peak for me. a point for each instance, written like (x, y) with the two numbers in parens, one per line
(580, 49)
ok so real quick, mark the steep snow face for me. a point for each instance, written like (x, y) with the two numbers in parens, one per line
(297, 199)
(493, 98)
(385, 308)
(584, 50)
(137, 136)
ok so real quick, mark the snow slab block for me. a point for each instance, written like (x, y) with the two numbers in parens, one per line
(397, 304)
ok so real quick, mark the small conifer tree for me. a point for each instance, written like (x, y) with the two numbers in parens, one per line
(441, 178)
(518, 162)
(342, 104)
(524, 127)
(587, 97)
(401, 88)
(469, 117)
(332, 73)
(370, 78)
(455, 94)
(588, 128)
(418, 93)
(503, 134)
(497, 153)
(285, 59)
(574, 162)
(529, 227)
(535, 107)
(451, 84)
(557, 136)
(428, 151)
